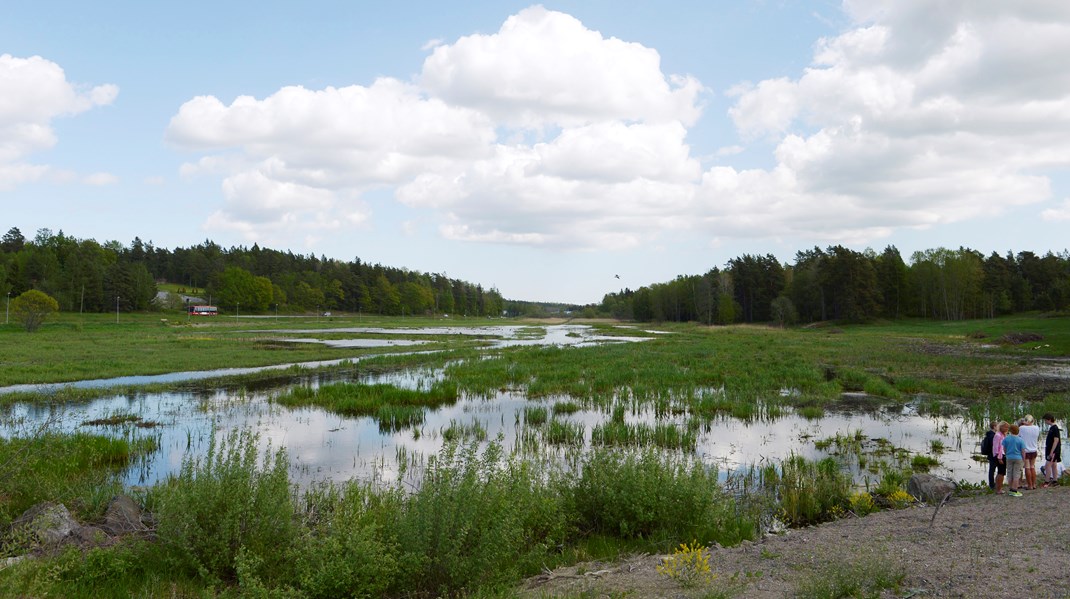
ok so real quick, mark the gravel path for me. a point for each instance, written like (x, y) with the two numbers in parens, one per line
(984, 546)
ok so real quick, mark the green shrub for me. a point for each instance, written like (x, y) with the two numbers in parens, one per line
(345, 552)
(655, 497)
(476, 520)
(226, 504)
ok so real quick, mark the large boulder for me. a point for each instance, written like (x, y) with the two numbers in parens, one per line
(46, 523)
(929, 488)
(123, 517)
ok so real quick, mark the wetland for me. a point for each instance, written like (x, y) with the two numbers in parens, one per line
(610, 438)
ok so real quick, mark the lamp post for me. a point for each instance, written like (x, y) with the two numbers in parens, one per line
(276, 311)
(117, 309)
(237, 311)
(7, 313)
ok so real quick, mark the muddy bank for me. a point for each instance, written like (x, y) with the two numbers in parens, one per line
(984, 546)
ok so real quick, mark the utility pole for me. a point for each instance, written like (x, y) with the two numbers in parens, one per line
(117, 309)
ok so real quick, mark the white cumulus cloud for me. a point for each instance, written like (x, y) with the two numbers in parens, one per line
(33, 92)
(549, 133)
(911, 118)
(546, 68)
(576, 140)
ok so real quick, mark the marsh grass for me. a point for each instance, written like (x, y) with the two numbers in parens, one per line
(623, 434)
(808, 492)
(535, 416)
(356, 399)
(80, 470)
(560, 432)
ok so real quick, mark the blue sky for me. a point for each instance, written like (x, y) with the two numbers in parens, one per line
(540, 149)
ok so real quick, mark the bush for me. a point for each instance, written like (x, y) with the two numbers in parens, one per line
(345, 552)
(225, 505)
(476, 520)
(658, 498)
(32, 307)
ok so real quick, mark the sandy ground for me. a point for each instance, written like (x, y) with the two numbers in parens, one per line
(984, 546)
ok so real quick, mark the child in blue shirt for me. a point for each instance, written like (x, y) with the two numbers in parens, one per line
(1014, 448)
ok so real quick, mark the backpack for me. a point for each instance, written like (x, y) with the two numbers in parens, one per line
(986, 444)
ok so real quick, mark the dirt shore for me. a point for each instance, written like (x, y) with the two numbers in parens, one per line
(983, 546)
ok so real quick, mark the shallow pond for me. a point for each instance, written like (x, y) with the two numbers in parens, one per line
(326, 446)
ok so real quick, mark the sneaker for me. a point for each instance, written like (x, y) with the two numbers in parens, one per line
(1015, 494)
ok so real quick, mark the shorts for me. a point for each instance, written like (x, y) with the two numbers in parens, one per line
(1001, 467)
(1016, 469)
(1030, 455)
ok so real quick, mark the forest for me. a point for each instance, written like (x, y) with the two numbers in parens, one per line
(835, 283)
(86, 276)
(845, 285)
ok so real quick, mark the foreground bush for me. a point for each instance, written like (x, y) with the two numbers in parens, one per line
(476, 520)
(655, 497)
(227, 505)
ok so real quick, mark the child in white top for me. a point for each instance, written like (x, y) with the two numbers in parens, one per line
(1030, 434)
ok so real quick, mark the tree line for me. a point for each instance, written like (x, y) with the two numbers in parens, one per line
(841, 284)
(86, 276)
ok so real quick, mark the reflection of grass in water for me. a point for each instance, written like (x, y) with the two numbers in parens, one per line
(115, 419)
(392, 418)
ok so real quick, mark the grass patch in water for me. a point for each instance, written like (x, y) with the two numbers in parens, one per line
(356, 399)
(561, 432)
(535, 416)
(622, 434)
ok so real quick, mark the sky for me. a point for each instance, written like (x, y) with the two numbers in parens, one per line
(556, 151)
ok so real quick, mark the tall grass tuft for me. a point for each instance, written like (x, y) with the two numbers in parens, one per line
(809, 492)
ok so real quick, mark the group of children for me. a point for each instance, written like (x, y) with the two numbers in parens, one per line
(1012, 453)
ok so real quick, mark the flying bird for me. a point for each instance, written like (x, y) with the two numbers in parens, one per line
(617, 276)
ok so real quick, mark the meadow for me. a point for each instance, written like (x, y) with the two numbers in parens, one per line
(481, 514)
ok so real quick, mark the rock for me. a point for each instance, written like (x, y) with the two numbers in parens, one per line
(123, 516)
(929, 488)
(47, 523)
(89, 536)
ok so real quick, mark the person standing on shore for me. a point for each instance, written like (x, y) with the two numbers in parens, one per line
(1000, 454)
(1014, 450)
(988, 450)
(1030, 434)
(1052, 451)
